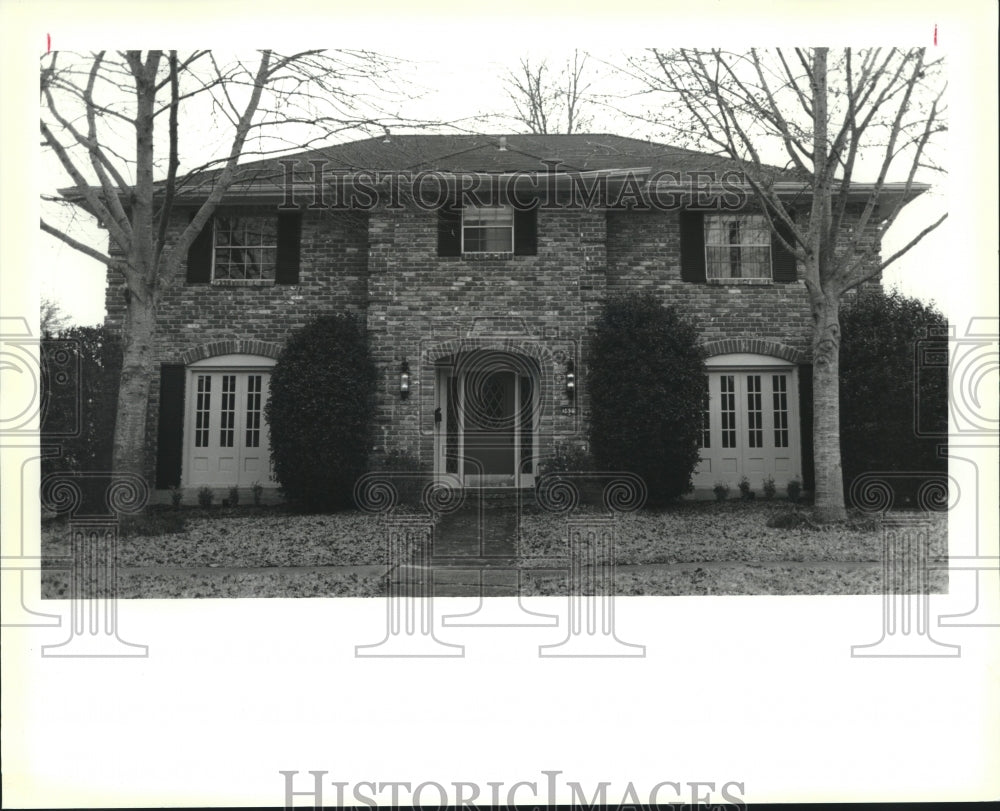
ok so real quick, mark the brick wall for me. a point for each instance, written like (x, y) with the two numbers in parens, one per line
(644, 253)
(332, 279)
(421, 307)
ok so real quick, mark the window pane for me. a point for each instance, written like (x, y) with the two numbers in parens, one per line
(728, 410)
(780, 397)
(245, 247)
(488, 230)
(499, 215)
(227, 415)
(202, 412)
(706, 418)
(755, 416)
(451, 428)
(253, 411)
(527, 428)
(737, 246)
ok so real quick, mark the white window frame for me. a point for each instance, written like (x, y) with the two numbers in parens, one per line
(761, 224)
(509, 210)
(263, 270)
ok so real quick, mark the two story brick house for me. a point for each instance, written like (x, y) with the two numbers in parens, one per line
(478, 264)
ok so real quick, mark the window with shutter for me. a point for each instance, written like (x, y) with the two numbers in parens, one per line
(737, 246)
(235, 247)
(485, 230)
(730, 246)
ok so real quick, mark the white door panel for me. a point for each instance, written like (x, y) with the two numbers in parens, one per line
(227, 441)
(751, 429)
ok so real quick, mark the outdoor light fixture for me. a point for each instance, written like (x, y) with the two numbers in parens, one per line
(404, 380)
(570, 379)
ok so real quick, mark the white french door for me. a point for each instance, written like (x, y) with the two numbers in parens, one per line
(227, 439)
(750, 427)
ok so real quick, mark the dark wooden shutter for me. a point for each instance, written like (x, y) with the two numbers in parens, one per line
(526, 232)
(199, 259)
(783, 262)
(289, 247)
(806, 424)
(692, 246)
(170, 430)
(449, 231)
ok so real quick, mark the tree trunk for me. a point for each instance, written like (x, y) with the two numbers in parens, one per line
(137, 375)
(829, 478)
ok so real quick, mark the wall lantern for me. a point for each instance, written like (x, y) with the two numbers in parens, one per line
(404, 380)
(570, 380)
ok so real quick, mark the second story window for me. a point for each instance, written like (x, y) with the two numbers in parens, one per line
(236, 247)
(488, 230)
(245, 247)
(737, 246)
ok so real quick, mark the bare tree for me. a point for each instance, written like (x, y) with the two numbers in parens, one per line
(833, 116)
(548, 103)
(102, 119)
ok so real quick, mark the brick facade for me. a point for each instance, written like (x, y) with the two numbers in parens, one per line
(421, 307)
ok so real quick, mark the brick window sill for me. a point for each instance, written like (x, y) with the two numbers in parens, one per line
(740, 282)
(488, 257)
(242, 282)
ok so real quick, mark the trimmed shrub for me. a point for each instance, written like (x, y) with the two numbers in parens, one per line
(320, 412)
(882, 335)
(646, 383)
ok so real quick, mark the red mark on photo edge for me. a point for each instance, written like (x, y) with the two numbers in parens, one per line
(48, 43)
(935, 33)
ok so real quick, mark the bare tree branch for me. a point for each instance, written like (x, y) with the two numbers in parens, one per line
(75, 244)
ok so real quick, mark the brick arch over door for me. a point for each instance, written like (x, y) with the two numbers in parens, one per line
(230, 347)
(754, 346)
(529, 347)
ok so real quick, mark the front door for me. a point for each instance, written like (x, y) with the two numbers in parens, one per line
(490, 430)
(227, 435)
(486, 435)
(750, 428)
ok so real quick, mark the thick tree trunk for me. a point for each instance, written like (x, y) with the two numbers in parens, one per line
(143, 292)
(133, 393)
(829, 487)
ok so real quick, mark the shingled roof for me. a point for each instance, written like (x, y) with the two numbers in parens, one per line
(488, 154)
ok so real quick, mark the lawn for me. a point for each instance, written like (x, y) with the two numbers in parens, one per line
(249, 552)
(731, 531)
(690, 548)
(729, 549)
